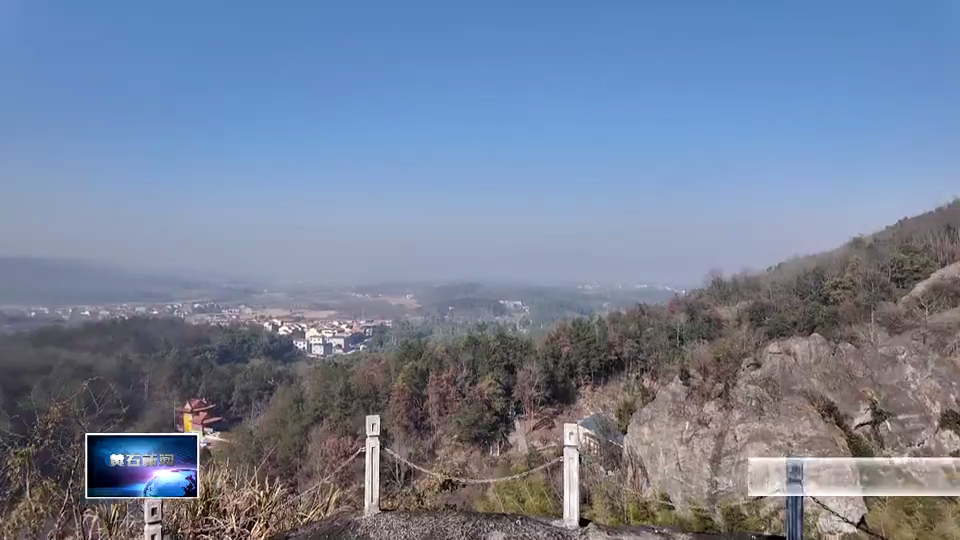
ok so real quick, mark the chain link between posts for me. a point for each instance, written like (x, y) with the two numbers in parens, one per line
(330, 476)
(588, 463)
(472, 481)
(349, 460)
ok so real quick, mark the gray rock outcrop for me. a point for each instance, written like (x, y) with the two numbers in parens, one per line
(450, 525)
(694, 446)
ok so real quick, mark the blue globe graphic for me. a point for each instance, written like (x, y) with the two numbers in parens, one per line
(172, 483)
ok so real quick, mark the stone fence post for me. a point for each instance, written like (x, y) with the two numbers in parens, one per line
(571, 476)
(371, 481)
(152, 519)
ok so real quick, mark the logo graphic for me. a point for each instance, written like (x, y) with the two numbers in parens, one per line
(142, 465)
(145, 460)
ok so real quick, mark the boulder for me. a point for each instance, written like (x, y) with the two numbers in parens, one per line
(801, 397)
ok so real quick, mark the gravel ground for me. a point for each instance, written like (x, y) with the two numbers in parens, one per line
(470, 526)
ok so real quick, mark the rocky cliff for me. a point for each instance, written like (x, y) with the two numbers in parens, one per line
(801, 396)
(473, 526)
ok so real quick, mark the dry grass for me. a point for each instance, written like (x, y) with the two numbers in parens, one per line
(233, 505)
(236, 504)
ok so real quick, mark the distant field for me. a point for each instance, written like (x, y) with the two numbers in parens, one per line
(410, 303)
(317, 314)
(306, 314)
(273, 312)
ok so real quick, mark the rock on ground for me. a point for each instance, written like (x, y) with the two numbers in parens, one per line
(450, 525)
(694, 447)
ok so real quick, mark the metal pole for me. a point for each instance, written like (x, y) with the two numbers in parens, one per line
(371, 481)
(152, 519)
(571, 476)
(794, 499)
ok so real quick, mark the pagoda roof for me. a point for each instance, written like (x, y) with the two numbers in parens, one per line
(196, 405)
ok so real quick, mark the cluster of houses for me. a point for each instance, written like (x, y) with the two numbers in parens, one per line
(325, 338)
(117, 311)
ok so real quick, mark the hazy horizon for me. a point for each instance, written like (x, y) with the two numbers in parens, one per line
(535, 141)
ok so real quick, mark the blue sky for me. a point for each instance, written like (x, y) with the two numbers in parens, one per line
(611, 140)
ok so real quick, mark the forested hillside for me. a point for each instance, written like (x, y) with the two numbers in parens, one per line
(299, 420)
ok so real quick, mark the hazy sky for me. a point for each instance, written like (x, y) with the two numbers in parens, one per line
(333, 140)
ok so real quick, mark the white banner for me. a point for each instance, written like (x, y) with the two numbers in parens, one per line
(856, 477)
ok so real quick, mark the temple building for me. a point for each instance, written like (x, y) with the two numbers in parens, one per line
(196, 415)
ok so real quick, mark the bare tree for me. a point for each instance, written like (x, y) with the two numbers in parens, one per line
(938, 297)
(41, 473)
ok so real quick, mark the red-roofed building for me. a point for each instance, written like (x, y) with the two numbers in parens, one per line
(196, 415)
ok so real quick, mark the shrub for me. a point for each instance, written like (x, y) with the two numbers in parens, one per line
(950, 421)
(532, 495)
(625, 409)
(895, 319)
(749, 516)
(916, 518)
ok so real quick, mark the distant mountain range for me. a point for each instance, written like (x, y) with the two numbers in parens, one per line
(52, 281)
(57, 282)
